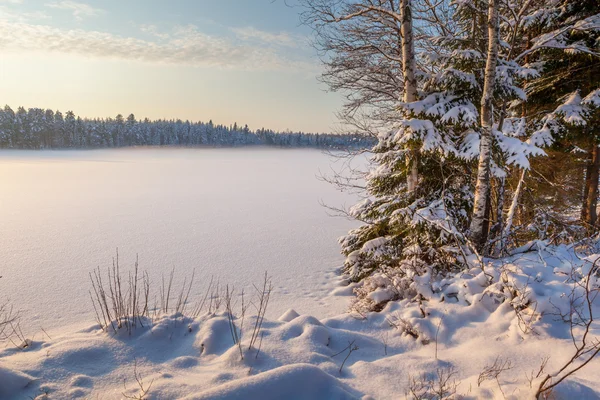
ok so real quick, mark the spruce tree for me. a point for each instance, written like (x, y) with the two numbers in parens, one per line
(566, 46)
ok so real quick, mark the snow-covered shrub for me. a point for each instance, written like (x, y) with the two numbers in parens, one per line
(7, 318)
(438, 385)
(121, 301)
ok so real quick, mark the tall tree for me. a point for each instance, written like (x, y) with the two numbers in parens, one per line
(567, 45)
(361, 45)
(480, 220)
(410, 83)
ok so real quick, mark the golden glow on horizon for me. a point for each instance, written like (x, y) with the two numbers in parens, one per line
(105, 88)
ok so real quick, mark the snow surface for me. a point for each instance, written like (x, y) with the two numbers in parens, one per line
(463, 327)
(227, 213)
(302, 357)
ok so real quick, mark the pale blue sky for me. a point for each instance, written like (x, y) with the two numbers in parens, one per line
(245, 61)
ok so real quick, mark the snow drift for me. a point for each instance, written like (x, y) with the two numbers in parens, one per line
(465, 339)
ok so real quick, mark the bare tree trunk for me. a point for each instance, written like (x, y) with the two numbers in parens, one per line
(510, 216)
(586, 187)
(589, 213)
(408, 52)
(480, 220)
(410, 82)
(498, 226)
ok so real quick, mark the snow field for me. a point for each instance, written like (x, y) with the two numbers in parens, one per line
(300, 357)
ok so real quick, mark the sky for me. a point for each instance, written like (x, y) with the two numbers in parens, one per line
(244, 61)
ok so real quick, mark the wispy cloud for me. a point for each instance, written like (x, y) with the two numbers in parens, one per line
(8, 13)
(185, 45)
(153, 30)
(79, 10)
(281, 38)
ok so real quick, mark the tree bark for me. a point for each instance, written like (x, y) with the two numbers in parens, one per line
(590, 202)
(408, 52)
(512, 211)
(410, 83)
(480, 219)
(498, 226)
(586, 187)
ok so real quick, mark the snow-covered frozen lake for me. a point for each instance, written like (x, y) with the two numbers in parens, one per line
(228, 213)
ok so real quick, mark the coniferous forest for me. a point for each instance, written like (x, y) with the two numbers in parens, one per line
(36, 128)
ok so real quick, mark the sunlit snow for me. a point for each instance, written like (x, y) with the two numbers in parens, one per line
(231, 214)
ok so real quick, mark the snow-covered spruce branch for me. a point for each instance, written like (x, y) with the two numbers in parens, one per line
(460, 239)
(550, 40)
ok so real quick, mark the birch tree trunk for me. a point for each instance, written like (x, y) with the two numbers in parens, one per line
(410, 83)
(510, 216)
(480, 219)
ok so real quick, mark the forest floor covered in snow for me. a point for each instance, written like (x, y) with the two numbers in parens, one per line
(465, 340)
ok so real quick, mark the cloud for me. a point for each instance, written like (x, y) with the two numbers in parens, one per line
(185, 45)
(280, 38)
(152, 30)
(8, 13)
(78, 9)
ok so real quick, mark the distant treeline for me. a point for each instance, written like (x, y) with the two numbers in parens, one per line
(37, 128)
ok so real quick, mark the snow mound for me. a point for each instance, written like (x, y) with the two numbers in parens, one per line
(298, 381)
(288, 315)
(12, 383)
